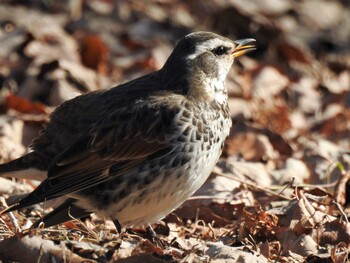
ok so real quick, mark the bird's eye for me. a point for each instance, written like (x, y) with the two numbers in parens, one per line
(220, 50)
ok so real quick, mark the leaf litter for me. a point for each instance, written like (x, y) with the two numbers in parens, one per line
(281, 191)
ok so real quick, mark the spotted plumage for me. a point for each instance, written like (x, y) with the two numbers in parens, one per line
(137, 151)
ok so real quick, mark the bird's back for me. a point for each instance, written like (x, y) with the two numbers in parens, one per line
(76, 117)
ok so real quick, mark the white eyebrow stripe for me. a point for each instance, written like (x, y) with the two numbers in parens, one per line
(208, 45)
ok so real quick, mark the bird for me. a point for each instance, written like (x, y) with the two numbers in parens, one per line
(135, 152)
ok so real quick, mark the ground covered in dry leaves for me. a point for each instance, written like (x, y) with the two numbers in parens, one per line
(281, 192)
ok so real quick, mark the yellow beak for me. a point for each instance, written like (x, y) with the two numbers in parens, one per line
(243, 46)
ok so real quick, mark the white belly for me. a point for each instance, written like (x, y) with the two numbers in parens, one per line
(166, 193)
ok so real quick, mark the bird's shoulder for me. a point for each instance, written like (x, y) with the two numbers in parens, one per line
(151, 117)
(149, 91)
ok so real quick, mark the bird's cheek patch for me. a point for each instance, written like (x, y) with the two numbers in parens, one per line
(206, 63)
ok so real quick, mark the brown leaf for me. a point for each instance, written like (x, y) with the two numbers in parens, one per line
(94, 53)
(332, 232)
(261, 225)
(25, 106)
(255, 143)
(340, 188)
(274, 115)
(289, 52)
(336, 127)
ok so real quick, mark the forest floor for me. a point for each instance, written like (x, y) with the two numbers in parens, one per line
(280, 192)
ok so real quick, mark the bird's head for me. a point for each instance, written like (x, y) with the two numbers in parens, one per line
(203, 60)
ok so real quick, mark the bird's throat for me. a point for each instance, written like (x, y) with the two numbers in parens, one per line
(209, 90)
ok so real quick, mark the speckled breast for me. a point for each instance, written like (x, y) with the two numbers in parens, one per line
(155, 188)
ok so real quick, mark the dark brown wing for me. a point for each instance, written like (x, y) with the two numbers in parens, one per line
(74, 118)
(111, 149)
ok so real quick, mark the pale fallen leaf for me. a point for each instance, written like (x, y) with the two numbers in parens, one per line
(306, 95)
(240, 107)
(328, 15)
(35, 249)
(302, 245)
(255, 172)
(218, 252)
(12, 187)
(293, 169)
(11, 133)
(149, 258)
(268, 82)
(336, 83)
(216, 189)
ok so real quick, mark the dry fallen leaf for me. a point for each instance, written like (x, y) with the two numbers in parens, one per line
(94, 53)
(218, 252)
(289, 100)
(25, 106)
(34, 249)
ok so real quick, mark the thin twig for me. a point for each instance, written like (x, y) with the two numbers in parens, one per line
(14, 222)
(290, 184)
(341, 211)
(252, 185)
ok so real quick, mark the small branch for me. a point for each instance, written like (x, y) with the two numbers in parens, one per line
(254, 186)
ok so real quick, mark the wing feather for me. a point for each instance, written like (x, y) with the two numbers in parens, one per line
(100, 156)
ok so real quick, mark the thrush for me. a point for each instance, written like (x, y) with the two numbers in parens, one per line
(137, 151)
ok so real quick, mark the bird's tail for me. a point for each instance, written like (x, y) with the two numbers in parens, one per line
(23, 168)
(15, 165)
(65, 212)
